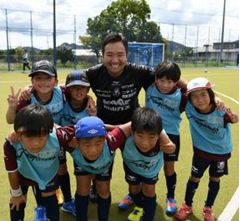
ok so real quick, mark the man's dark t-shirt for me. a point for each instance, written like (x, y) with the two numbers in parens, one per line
(117, 98)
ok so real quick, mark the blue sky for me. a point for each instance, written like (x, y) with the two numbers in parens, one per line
(179, 12)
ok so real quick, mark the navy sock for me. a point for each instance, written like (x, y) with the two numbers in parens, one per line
(213, 188)
(17, 215)
(137, 199)
(64, 182)
(149, 207)
(103, 208)
(51, 205)
(190, 191)
(171, 185)
(81, 204)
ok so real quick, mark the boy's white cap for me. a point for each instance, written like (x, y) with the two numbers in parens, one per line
(198, 84)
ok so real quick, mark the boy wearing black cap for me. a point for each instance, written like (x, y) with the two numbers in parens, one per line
(76, 106)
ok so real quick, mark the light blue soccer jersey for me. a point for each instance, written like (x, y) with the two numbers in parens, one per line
(40, 167)
(208, 131)
(55, 105)
(99, 166)
(146, 166)
(168, 106)
(71, 117)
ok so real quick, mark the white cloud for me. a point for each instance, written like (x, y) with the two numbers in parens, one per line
(181, 12)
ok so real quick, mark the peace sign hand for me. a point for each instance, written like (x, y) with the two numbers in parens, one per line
(13, 98)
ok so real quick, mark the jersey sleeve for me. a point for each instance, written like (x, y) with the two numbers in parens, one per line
(65, 135)
(116, 139)
(10, 158)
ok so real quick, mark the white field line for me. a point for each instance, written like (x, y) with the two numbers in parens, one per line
(224, 95)
(233, 205)
(231, 208)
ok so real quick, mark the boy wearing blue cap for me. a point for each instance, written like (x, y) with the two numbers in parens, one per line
(93, 158)
(75, 107)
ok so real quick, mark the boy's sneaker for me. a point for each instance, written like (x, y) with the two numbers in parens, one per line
(126, 202)
(171, 207)
(208, 214)
(69, 207)
(93, 194)
(183, 213)
(136, 214)
(59, 196)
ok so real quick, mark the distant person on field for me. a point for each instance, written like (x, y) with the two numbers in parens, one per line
(25, 60)
(212, 144)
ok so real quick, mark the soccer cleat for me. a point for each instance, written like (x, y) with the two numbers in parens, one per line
(136, 214)
(125, 203)
(69, 207)
(93, 194)
(208, 214)
(59, 196)
(183, 213)
(171, 207)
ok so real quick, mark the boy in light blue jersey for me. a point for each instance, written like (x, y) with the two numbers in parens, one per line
(34, 160)
(142, 159)
(75, 107)
(212, 144)
(93, 158)
(45, 91)
(169, 101)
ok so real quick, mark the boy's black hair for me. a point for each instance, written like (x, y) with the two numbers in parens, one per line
(146, 119)
(34, 120)
(168, 69)
(211, 96)
(114, 37)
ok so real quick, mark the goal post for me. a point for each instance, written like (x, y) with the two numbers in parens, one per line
(142, 53)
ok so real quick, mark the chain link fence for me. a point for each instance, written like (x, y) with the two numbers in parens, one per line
(28, 30)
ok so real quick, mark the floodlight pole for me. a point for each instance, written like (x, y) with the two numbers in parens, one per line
(54, 35)
(222, 37)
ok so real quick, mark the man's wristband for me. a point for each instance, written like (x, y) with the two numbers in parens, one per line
(16, 192)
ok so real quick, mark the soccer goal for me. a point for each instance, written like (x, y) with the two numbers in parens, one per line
(149, 54)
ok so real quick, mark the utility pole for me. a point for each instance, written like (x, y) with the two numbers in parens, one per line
(222, 37)
(54, 35)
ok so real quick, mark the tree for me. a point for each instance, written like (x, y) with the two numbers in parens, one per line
(129, 17)
(65, 54)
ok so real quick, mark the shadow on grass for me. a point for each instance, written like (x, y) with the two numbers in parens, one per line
(121, 215)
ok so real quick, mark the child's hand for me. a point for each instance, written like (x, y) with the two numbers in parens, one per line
(73, 143)
(13, 138)
(168, 148)
(233, 117)
(26, 93)
(219, 103)
(13, 98)
(91, 107)
(17, 201)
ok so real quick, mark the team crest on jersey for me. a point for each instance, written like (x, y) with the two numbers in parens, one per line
(221, 165)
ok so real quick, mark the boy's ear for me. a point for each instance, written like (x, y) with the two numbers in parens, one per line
(56, 82)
